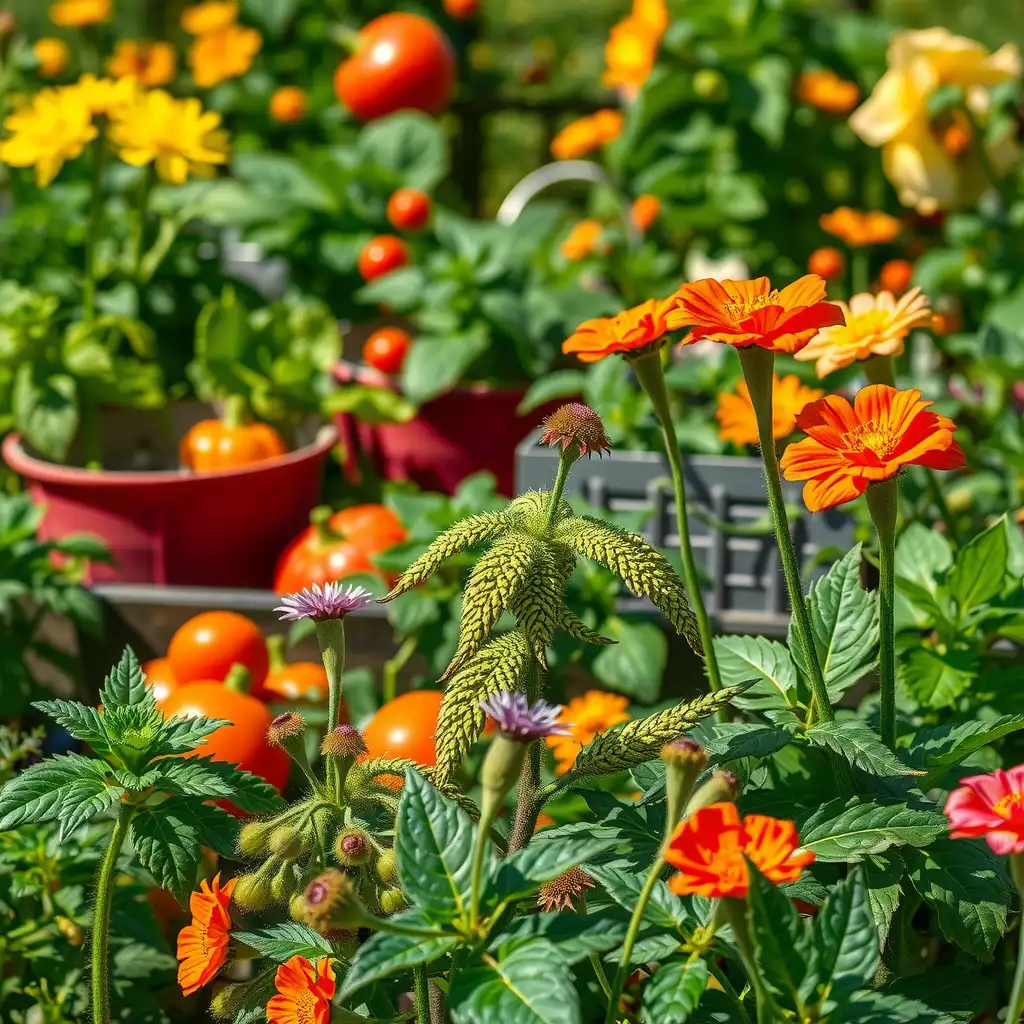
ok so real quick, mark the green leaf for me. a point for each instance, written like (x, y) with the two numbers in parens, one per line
(783, 947)
(844, 621)
(285, 178)
(674, 991)
(217, 780)
(664, 909)
(967, 887)
(940, 748)
(636, 664)
(741, 658)
(846, 834)
(528, 985)
(385, 953)
(280, 942)
(411, 145)
(860, 745)
(879, 1008)
(846, 944)
(181, 733)
(921, 555)
(980, 567)
(935, 679)
(883, 875)
(45, 410)
(558, 384)
(125, 684)
(84, 545)
(84, 723)
(522, 872)
(575, 935)
(369, 404)
(435, 365)
(68, 788)
(273, 15)
(434, 847)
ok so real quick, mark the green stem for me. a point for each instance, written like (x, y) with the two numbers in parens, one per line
(1016, 1005)
(599, 973)
(651, 375)
(101, 917)
(95, 227)
(394, 665)
(622, 974)
(138, 242)
(758, 369)
(330, 634)
(945, 513)
(527, 805)
(883, 504)
(880, 370)
(727, 987)
(860, 270)
(566, 460)
(735, 912)
(421, 994)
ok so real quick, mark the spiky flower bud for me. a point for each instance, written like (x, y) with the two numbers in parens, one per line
(343, 741)
(722, 787)
(387, 867)
(685, 752)
(392, 901)
(286, 843)
(575, 424)
(566, 892)
(352, 848)
(331, 901)
(285, 727)
(684, 760)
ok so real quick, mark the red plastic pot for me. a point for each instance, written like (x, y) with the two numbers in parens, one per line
(463, 431)
(221, 529)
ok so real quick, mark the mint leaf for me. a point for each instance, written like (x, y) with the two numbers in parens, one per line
(280, 942)
(847, 832)
(575, 935)
(125, 684)
(784, 950)
(664, 908)
(940, 748)
(980, 567)
(859, 744)
(741, 658)
(884, 876)
(68, 788)
(674, 991)
(216, 780)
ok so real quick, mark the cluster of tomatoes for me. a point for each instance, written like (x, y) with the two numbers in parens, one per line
(219, 664)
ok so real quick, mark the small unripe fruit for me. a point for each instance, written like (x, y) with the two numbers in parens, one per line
(285, 843)
(297, 907)
(387, 868)
(282, 885)
(392, 901)
(352, 848)
(709, 84)
(252, 839)
(252, 891)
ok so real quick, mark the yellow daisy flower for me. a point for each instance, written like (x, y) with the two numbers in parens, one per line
(153, 64)
(55, 126)
(78, 13)
(876, 325)
(177, 135)
(587, 716)
(227, 53)
(102, 96)
(209, 17)
(52, 55)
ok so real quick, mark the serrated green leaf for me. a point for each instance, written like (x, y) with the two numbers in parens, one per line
(742, 658)
(966, 885)
(636, 663)
(83, 722)
(385, 953)
(434, 847)
(522, 872)
(59, 789)
(280, 942)
(217, 780)
(783, 946)
(937, 679)
(979, 568)
(183, 733)
(846, 832)
(671, 996)
(528, 985)
(940, 748)
(575, 935)
(664, 908)
(860, 746)
(125, 684)
(883, 875)
(879, 1008)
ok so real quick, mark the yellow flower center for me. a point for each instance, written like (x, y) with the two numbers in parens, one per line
(1008, 804)
(867, 325)
(306, 1005)
(740, 311)
(876, 437)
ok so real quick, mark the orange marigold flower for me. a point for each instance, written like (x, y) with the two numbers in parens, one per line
(744, 313)
(288, 104)
(587, 716)
(52, 55)
(826, 262)
(585, 134)
(631, 332)
(631, 51)
(851, 446)
(209, 17)
(645, 211)
(735, 412)
(896, 275)
(203, 944)
(608, 124)
(582, 240)
(824, 89)
(876, 325)
(79, 13)
(226, 53)
(709, 849)
(857, 228)
(153, 64)
(304, 992)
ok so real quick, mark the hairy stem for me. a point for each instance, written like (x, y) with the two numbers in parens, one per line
(734, 911)
(651, 375)
(95, 228)
(421, 993)
(101, 917)
(882, 503)
(527, 805)
(566, 460)
(1016, 1005)
(330, 634)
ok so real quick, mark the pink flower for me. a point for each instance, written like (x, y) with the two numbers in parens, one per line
(990, 806)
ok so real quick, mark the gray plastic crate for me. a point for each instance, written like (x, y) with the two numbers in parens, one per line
(747, 592)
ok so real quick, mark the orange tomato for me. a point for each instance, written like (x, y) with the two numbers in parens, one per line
(401, 62)
(385, 350)
(896, 275)
(826, 263)
(645, 211)
(298, 682)
(380, 256)
(206, 647)
(405, 727)
(288, 104)
(244, 741)
(160, 678)
(409, 209)
(460, 9)
(229, 442)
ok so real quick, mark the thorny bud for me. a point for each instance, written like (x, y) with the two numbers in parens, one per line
(331, 902)
(684, 760)
(387, 867)
(286, 843)
(566, 892)
(289, 726)
(722, 787)
(352, 848)
(343, 741)
(392, 901)
(575, 425)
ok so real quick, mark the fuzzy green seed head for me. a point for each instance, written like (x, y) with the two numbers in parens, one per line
(227, 1001)
(352, 848)
(387, 868)
(392, 901)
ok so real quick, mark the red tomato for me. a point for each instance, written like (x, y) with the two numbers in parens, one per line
(336, 546)
(401, 62)
(385, 350)
(460, 9)
(409, 209)
(405, 726)
(381, 255)
(206, 647)
(244, 742)
(160, 678)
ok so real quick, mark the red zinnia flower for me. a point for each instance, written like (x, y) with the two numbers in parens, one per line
(991, 807)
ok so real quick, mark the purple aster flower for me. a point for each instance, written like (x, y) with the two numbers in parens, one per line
(331, 601)
(521, 721)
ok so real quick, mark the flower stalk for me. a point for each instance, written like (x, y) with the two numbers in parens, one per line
(1015, 1008)
(95, 228)
(651, 375)
(330, 634)
(883, 501)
